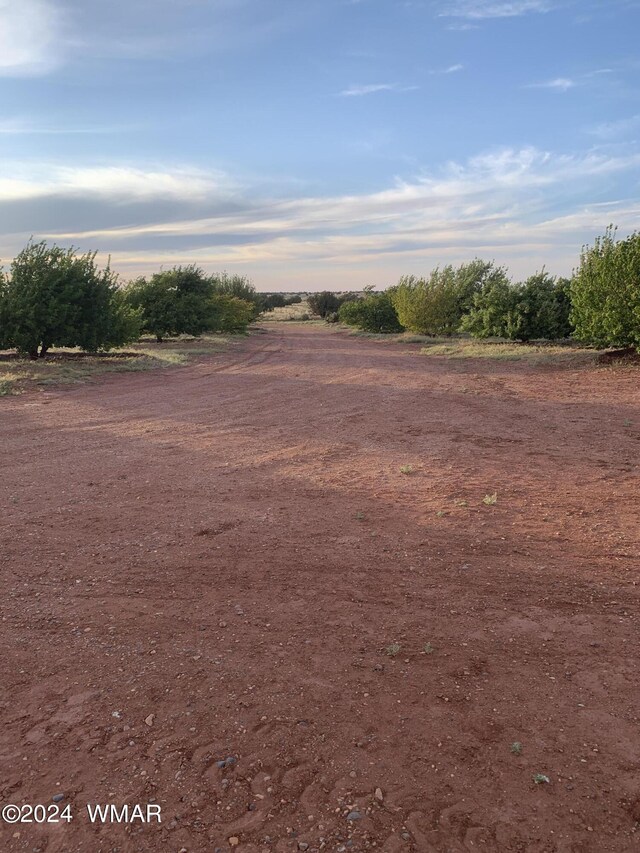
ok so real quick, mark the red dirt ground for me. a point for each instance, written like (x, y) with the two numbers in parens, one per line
(230, 547)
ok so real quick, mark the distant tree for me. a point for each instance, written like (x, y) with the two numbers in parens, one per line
(605, 292)
(239, 286)
(372, 313)
(56, 297)
(324, 303)
(273, 300)
(230, 313)
(173, 302)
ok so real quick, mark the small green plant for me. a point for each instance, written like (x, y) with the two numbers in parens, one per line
(490, 500)
(541, 779)
(442, 513)
(406, 469)
(516, 748)
(461, 503)
(393, 649)
(360, 516)
(428, 649)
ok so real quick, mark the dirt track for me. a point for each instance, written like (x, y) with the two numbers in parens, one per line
(231, 547)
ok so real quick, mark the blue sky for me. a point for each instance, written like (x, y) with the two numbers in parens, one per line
(316, 144)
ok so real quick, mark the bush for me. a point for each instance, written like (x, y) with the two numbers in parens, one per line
(436, 306)
(373, 313)
(605, 292)
(57, 298)
(542, 307)
(230, 313)
(537, 308)
(324, 303)
(239, 286)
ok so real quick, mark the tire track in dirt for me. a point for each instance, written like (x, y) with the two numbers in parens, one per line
(232, 549)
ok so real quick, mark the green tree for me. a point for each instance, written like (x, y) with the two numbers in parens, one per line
(373, 313)
(437, 304)
(324, 303)
(541, 309)
(4, 337)
(427, 306)
(605, 292)
(493, 311)
(230, 313)
(239, 286)
(173, 302)
(55, 297)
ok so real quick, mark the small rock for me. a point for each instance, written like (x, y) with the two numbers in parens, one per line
(234, 841)
(302, 845)
(405, 836)
(379, 795)
(354, 815)
(57, 798)
(149, 720)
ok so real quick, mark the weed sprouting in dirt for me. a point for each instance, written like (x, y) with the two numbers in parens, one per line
(393, 649)
(541, 779)
(516, 748)
(428, 649)
(490, 500)
(406, 469)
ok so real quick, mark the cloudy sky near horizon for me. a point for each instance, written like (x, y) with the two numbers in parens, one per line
(319, 143)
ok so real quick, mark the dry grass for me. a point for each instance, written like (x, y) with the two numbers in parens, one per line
(568, 354)
(290, 313)
(71, 367)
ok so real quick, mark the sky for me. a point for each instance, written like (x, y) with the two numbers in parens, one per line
(319, 144)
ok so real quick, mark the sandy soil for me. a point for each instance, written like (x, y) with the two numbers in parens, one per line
(226, 551)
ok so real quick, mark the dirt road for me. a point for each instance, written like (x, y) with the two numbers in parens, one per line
(224, 565)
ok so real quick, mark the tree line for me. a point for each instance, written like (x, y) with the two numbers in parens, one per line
(599, 304)
(58, 297)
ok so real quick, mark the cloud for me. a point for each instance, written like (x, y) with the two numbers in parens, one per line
(615, 129)
(480, 9)
(358, 90)
(30, 35)
(20, 126)
(558, 84)
(451, 69)
(123, 184)
(512, 204)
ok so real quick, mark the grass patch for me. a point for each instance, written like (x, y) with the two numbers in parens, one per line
(71, 367)
(532, 353)
(299, 312)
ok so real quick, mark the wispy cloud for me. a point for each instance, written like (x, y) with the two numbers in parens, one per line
(480, 9)
(450, 69)
(505, 203)
(558, 84)
(27, 127)
(121, 184)
(358, 90)
(609, 130)
(30, 35)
